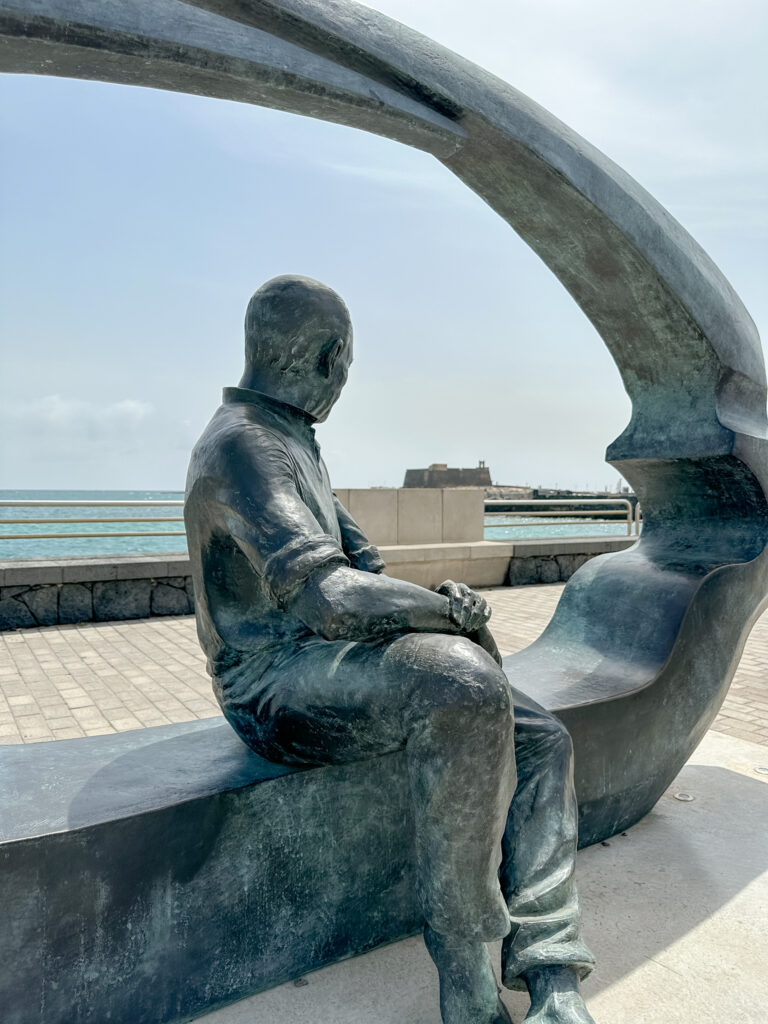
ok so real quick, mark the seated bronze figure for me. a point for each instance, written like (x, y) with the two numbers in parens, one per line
(317, 659)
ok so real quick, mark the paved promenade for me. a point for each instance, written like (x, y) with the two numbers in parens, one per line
(60, 682)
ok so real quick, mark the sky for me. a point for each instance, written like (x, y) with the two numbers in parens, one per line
(135, 224)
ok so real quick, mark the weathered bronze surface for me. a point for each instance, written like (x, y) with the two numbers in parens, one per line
(317, 659)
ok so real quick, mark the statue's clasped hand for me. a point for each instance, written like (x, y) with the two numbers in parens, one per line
(466, 608)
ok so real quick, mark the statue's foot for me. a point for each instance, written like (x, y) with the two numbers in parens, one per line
(560, 1009)
(555, 997)
(468, 990)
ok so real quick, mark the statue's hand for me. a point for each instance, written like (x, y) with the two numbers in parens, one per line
(467, 609)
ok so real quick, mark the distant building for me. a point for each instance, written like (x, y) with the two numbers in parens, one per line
(439, 475)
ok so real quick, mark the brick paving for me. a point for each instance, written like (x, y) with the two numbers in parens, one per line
(60, 682)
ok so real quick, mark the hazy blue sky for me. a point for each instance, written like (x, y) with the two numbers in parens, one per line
(136, 224)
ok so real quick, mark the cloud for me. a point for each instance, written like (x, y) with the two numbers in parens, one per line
(67, 442)
(431, 181)
(129, 409)
(74, 414)
(300, 146)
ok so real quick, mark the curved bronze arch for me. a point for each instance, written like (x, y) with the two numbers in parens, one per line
(644, 643)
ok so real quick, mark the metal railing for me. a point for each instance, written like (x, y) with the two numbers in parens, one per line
(7, 503)
(522, 509)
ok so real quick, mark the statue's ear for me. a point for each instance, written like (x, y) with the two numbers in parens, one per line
(328, 355)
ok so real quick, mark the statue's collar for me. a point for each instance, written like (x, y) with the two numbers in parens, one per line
(274, 405)
(292, 419)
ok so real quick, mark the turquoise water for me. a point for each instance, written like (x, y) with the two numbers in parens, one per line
(39, 545)
(541, 527)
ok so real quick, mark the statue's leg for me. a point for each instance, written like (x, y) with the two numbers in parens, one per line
(444, 700)
(461, 761)
(448, 703)
(539, 852)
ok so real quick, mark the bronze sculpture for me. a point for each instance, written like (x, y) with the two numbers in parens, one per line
(644, 643)
(640, 643)
(318, 659)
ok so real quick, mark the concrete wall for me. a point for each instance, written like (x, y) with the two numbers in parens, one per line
(555, 561)
(417, 515)
(497, 563)
(65, 591)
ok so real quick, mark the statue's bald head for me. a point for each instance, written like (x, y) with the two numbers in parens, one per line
(297, 331)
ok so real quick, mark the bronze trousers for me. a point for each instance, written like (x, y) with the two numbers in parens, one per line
(491, 775)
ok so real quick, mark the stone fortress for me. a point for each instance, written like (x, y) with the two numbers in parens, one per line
(440, 475)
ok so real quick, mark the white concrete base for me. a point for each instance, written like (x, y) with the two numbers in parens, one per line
(676, 912)
(482, 564)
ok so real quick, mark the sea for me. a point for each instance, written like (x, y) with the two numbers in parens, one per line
(532, 528)
(166, 536)
(39, 543)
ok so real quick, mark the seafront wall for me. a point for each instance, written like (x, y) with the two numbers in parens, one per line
(417, 515)
(70, 590)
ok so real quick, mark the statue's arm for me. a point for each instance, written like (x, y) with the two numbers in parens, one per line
(304, 570)
(364, 555)
(341, 603)
(361, 553)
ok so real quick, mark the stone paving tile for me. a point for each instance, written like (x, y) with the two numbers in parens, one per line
(61, 682)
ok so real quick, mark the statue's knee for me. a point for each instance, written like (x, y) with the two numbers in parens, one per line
(472, 680)
(496, 693)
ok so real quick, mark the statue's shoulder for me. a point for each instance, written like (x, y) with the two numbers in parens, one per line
(236, 437)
